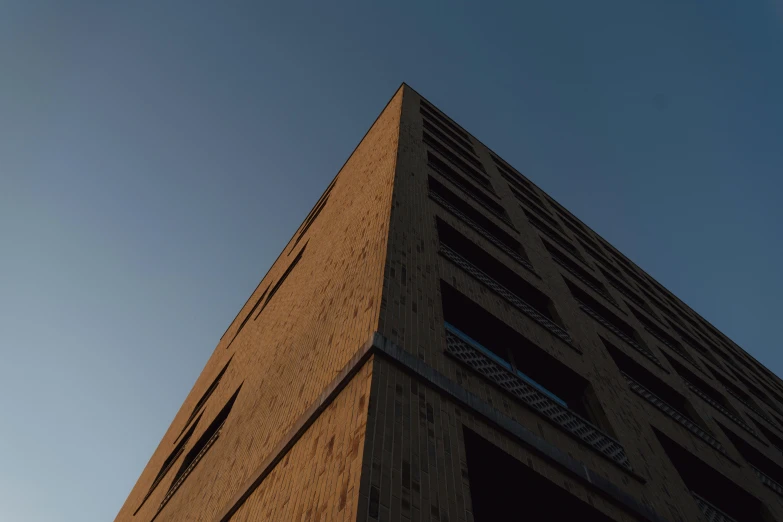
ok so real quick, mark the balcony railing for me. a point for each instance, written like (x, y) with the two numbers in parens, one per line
(584, 280)
(478, 358)
(711, 512)
(720, 407)
(672, 412)
(676, 349)
(505, 293)
(176, 485)
(612, 328)
(469, 190)
(752, 408)
(478, 228)
(768, 481)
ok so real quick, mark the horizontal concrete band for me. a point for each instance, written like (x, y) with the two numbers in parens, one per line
(379, 345)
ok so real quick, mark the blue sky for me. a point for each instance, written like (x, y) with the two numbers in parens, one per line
(156, 156)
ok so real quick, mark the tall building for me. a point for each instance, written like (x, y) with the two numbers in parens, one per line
(441, 341)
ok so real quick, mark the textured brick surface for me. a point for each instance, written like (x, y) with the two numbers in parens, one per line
(322, 314)
(390, 447)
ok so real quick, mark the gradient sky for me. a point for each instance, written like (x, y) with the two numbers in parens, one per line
(156, 156)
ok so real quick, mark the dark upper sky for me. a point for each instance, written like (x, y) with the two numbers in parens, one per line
(156, 156)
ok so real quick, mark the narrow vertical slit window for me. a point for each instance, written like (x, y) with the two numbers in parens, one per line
(282, 279)
(200, 448)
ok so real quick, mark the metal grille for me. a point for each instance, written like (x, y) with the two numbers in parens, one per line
(720, 407)
(612, 328)
(175, 486)
(467, 189)
(537, 400)
(672, 412)
(711, 513)
(751, 407)
(554, 236)
(584, 280)
(768, 481)
(506, 294)
(682, 353)
(475, 226)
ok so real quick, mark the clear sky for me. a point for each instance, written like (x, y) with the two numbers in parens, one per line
(156, 156)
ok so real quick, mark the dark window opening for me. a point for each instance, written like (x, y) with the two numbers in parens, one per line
(632, 274)
(755, 390)
(646, 378)
(282, 279)
(555, 236)
(316, 210)
(473, 323)
(507, 170)
(570, 219)
(529, 202)
(170, 460)
(432, 119)
(503, 488)
(201, 446)
(496, 270)
(443, 168)
(207, 394)
(551, 221)
(702, 385)
(430, 131)
(477, 217)
(469, 188)
(581, 236)
(444, 120)
(522, 191)
(244, 322)
(706, 482)
(577, 269)
(602, 260)
(754, 457)
(658, 332)
(773, 438)
(453, 158)
(693, 343)
(626, 291)
(586, 299)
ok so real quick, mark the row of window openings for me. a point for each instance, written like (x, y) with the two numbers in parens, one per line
(267, 295)
(510, 350)
(453, 147)
(500, 211)
(433, 120)
(199, 448)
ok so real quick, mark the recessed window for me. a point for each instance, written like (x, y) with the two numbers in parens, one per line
(606, 315)
(554, 235)
(249, 314)
(170, 460)
(207, 394)
(319, 206)
(646, 378)
(707, 484)
(517, 354)
(702, 385)
(503, 488)
(495, 270)
(443, 119)
(551, 221)
(200, 448)
(443, 168)
(432, 119)
(282, 279)
(755, 458)
(447, 147)
(460, 205)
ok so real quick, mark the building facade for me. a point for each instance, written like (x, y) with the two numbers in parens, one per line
(441, 341)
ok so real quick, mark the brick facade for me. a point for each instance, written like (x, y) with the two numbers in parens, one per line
(356, 395)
